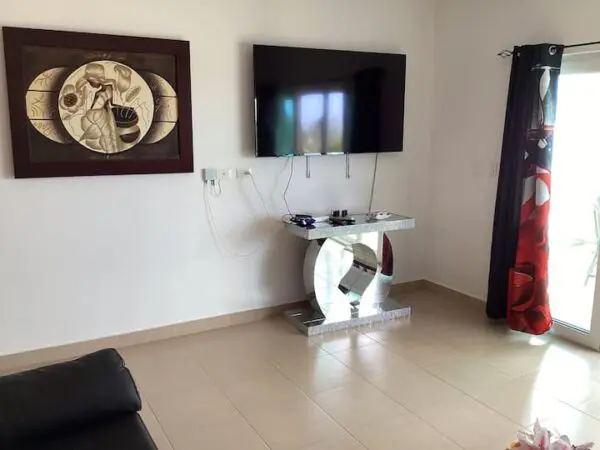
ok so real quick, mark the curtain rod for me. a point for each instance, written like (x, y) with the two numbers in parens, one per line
(582, 45)
(505, 53)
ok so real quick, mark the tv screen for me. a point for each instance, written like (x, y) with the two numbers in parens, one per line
(312, 101)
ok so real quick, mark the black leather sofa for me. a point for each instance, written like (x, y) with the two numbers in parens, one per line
(90, 403)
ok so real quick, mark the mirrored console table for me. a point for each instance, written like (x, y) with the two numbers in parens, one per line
(348, 273)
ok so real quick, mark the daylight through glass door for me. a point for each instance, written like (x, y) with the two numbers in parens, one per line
(574, 228)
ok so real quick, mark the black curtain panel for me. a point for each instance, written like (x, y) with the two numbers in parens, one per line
(518, 263)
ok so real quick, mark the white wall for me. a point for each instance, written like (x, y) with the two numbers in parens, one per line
(470, 102)
(83, 258)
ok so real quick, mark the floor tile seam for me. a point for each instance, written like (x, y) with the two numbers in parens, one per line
(232, 403)
(423, 367)
(426, 367)
(417, 415)
(485, 405)
(318, 406)
(331, 353)
(576, 408)
(485, 364)
(408, 409)
(160, 425)
(453, 387)
(390, 347)
(509, 374)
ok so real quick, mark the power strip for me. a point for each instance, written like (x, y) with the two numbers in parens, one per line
(212, 174)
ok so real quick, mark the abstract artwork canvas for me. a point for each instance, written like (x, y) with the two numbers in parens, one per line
(92, 104)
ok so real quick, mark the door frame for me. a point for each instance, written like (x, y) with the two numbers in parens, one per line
(589, 339)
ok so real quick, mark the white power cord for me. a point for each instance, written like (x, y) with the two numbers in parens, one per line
(221, 245)
(213, 187)
(221, 242)
(287, 186)
(262, 199)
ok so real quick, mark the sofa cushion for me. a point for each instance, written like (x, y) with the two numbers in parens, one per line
(65, 396)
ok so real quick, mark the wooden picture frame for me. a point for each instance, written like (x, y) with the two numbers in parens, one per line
(93, 104)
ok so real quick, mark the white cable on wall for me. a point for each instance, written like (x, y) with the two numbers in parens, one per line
(221, 243)
(287, 187)
(262, 199)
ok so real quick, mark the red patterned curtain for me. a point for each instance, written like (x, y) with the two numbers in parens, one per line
(518, 281)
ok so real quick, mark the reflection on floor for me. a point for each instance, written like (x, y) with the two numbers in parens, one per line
(446, 379)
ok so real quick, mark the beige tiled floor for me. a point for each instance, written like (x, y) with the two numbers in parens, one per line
(445, 379)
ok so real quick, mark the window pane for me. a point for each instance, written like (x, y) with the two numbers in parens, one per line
(285, 127)
(312, 110)
(335, 122)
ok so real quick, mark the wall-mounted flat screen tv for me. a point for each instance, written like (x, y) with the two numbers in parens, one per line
(312, 101)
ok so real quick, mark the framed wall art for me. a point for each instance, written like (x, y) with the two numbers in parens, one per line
(93, 104)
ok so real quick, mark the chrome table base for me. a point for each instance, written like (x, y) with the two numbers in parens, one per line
(348, 272)
(313, 322)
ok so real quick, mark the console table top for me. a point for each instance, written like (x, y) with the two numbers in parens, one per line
(324, 230)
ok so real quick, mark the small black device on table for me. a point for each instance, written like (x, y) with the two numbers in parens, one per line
(336, 219)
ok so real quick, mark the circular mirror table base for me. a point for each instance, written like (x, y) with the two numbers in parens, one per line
(348, 277)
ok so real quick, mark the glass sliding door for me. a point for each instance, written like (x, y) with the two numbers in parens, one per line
(574, 228)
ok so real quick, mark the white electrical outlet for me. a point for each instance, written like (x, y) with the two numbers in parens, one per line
(214, 174)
